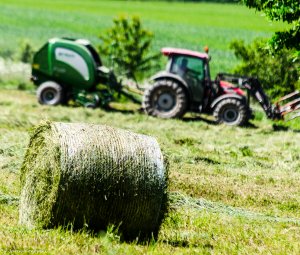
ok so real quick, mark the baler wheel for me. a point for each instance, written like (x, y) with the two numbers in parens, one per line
(165, 99)
(50, 93)
(231, 111)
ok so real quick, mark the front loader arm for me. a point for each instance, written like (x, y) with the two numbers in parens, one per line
(254, 87)
(284, 106)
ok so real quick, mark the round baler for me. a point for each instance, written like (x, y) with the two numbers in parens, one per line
(65, 69)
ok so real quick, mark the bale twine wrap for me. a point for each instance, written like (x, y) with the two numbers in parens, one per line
(95, 175)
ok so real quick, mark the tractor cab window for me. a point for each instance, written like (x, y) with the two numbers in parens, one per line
(191, 70)
(188, 67)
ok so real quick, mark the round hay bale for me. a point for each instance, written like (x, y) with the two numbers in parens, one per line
(93, 175)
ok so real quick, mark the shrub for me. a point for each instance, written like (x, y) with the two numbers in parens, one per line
(278, 73)
(26, 52)
(127, 44)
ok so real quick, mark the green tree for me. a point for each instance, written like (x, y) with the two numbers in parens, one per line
(278, 73)
(282, 10)
(26, 52)
(127, 45)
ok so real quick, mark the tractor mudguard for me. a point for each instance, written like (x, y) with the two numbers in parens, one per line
(165, 74)
(220, 98)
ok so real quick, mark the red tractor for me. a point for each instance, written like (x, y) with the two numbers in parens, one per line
(186, 85)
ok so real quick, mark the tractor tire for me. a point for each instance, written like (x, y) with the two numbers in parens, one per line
(232, 112)
(90, 105)
(165, 99)
(50, 93)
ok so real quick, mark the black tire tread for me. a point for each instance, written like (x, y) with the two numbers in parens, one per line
(181, 99)
(53, 85)
(240, 105)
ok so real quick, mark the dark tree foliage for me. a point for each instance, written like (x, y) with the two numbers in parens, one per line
(26, 52)
(127, 45)
(278, 73)
(281, 10)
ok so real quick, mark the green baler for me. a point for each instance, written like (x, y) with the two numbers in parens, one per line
(68, 69)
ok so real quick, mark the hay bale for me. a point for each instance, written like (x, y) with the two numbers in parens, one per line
(95, 175)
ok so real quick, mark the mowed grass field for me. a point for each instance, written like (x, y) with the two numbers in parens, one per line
(187, 25)
(233, 190)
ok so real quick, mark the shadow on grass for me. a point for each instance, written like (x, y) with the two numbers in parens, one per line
(124, 111)
(279, 127)
(186, 243)
(282, 127)
(119, 110)
(213, 122)
(177, 243)
(198, 118)
(250, 125)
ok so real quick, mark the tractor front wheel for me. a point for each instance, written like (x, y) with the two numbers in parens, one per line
(165, 99)
(231, 111)
(50, 93)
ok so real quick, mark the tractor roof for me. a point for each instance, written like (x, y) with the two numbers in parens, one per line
(176, 51)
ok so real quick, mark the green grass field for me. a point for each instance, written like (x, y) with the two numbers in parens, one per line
(187, 25)
(233, 190)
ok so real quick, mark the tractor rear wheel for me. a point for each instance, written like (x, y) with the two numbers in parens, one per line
(165, 99)
(50, 93)
(231, 111)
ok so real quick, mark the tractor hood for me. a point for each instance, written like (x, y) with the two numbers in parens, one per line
(230, 88)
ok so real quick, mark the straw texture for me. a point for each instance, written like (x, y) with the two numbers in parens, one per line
(93, 175)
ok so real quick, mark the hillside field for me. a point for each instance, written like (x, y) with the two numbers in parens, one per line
(187, 25)
(232, 190)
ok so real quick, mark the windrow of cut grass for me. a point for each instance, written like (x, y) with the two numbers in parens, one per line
(187, 25)
(233, 190)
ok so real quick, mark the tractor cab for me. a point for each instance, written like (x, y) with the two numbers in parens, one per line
(192, 67)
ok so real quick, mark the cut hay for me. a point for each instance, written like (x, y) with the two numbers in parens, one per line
(93, 175)
(181, 201)
(8, 199)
